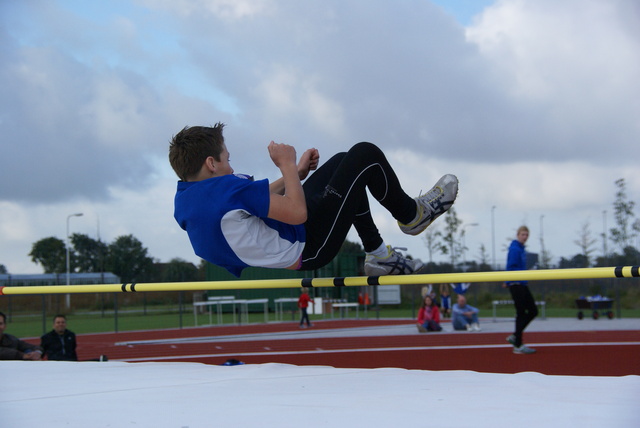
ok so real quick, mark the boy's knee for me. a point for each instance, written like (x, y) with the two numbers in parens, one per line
(365, 147)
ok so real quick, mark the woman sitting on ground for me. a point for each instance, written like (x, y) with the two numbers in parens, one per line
(428, 316)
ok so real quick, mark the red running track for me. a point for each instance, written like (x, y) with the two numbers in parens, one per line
(581, 353)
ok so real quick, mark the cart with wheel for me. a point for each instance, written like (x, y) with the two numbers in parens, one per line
(595, 305)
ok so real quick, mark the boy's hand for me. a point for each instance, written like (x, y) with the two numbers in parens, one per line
(287, 203)
(282, 154)
(308, 162)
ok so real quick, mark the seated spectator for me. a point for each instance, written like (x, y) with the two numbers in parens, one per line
(12, 348)
(428, 290)
(464, 316)
(445, 300)
(461, 287)
(428, 316)
(59, 344)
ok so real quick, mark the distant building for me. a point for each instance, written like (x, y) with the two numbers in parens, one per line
(26, 280)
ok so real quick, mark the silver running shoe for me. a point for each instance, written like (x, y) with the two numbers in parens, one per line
(524, 349)
(433, 204)
(394, 264)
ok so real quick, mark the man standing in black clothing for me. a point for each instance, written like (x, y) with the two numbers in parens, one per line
(59, 344)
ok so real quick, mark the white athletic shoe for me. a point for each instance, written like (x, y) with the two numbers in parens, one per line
(393, 264)
(475, 326)
(433, 204)
(524, 349)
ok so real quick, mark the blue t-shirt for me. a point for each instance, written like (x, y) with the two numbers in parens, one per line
(516, 259)
(226, 220)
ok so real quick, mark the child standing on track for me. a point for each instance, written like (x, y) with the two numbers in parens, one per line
(303, 304)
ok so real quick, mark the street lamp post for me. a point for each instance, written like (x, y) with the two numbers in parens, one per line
(68, 298)
(542, 263)
(604, 237)
(493, 237)
(464, 244)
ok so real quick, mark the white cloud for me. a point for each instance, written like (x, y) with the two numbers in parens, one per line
(577, 60)
(14, 226)
(227, 9)
(534, 107)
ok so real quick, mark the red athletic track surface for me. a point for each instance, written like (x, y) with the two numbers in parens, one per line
(582, 353)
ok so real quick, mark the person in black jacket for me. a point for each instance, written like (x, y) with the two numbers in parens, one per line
(12, 348)
(59, 344)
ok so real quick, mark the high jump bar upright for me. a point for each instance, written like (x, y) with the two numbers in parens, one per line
(353, 281)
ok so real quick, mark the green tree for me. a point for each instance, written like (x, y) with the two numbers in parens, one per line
(351, 247)
(452, 237)
(484, 259)
(51, 254)
(90, 254)
(179, 270)
(626, 229)
(202, 269)
(630, 256)
(544, 259)
(431, 240)
(128, 259)
(578, 261)
(3, 269)
(586, 243)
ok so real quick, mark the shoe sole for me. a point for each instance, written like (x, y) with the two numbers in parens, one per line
(408, 230)
(416, 271)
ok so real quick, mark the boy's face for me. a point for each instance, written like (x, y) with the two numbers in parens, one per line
(223, 167)
(522, 237)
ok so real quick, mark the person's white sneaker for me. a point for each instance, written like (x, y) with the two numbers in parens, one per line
(433, 204)
(475, 326)
(524, 349)
(393, 264)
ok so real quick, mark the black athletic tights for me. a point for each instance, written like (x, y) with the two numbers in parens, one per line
(336, 199)
(526, 309)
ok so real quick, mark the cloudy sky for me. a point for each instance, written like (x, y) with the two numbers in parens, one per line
(533, 104)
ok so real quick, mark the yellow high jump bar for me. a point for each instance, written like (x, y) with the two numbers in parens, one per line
(354, 281)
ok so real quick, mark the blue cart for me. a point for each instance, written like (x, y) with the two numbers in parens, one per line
(594, 305)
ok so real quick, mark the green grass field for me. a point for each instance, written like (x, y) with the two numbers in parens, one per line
(32, 325)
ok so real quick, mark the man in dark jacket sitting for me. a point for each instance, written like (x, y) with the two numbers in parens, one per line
(59, 344)
(12, 348)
